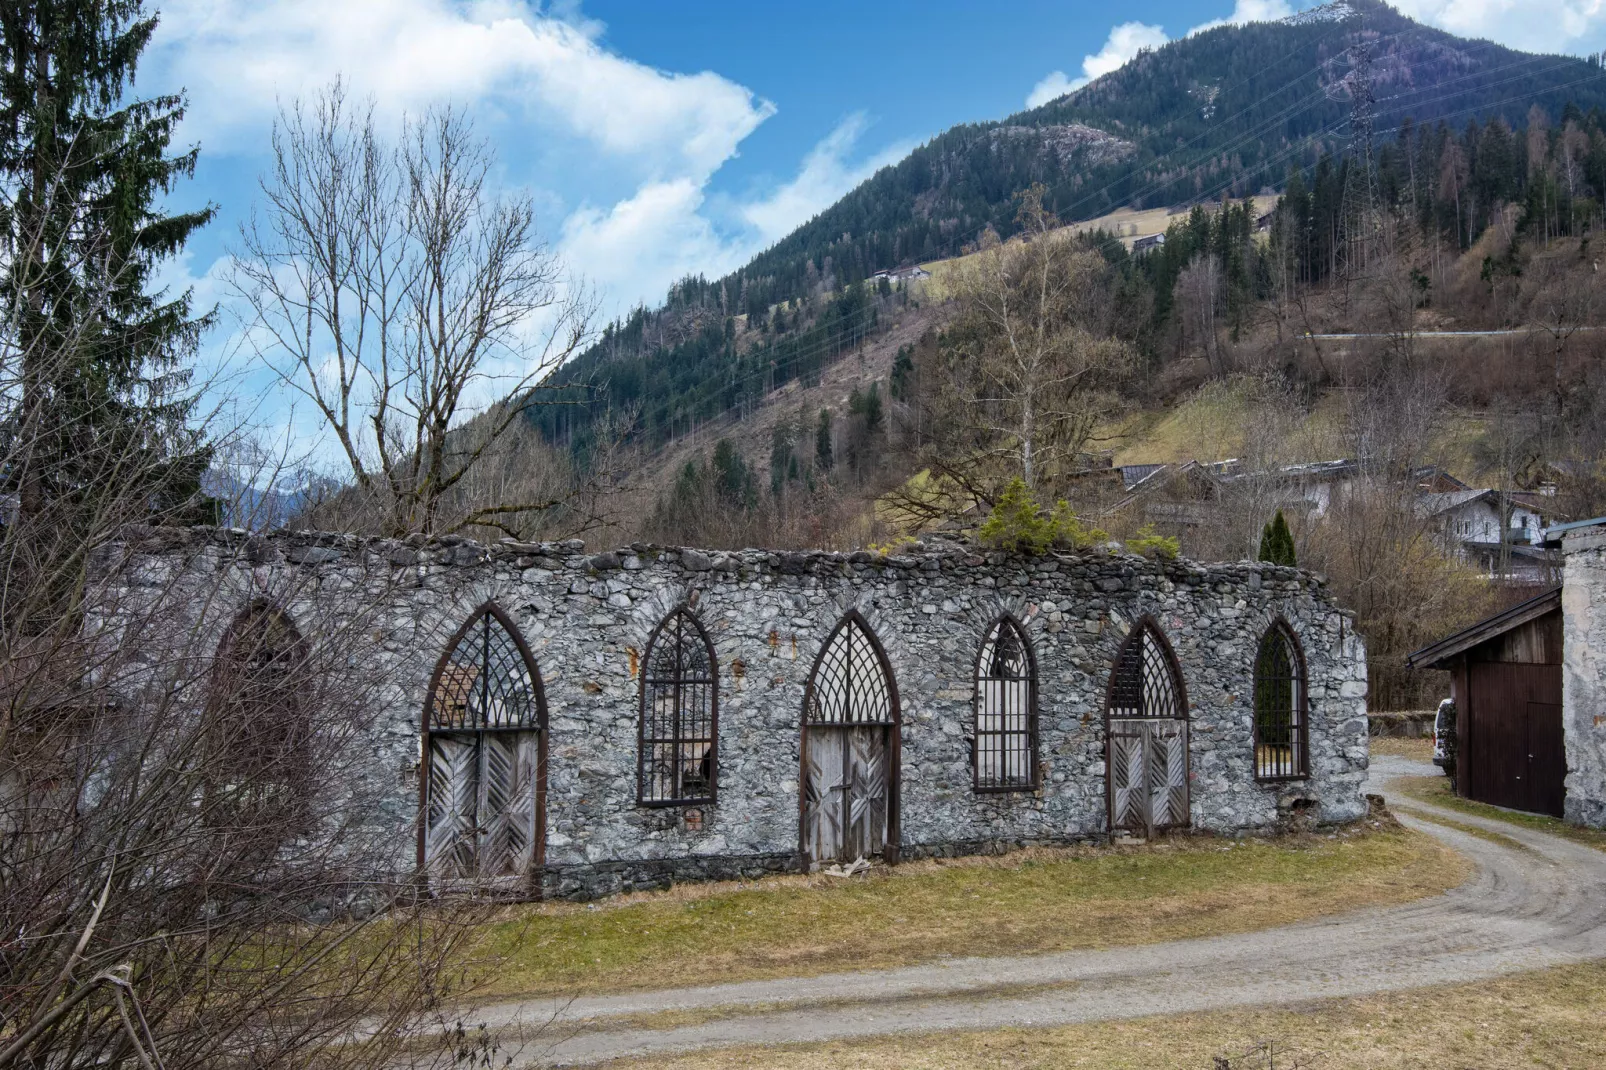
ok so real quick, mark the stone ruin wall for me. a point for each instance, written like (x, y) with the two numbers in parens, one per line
(587, 618)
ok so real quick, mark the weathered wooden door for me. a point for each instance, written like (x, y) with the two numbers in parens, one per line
(849, 796)
(845, 799)
(484, 748)
(1148, 775)
(1146, 724)
(481, 815)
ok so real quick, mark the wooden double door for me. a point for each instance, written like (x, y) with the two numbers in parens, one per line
(483, 813)
(847, 794)
(1514, 755)
(1148, 774)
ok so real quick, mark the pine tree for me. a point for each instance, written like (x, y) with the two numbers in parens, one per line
(104, 404)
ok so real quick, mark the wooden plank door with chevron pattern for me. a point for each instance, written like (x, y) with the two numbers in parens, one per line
(845, 813)
(1148, 774)
(481, 815)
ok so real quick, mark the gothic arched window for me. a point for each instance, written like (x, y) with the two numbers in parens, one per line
(1146, 721)
(1006, 710)
(678, 758)
(258, 730)
(484, 756)
(1280, 706)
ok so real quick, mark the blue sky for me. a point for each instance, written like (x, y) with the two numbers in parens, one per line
(659, 138)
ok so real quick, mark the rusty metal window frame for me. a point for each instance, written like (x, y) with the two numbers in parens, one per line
(677, 739)
(1004, 756)
(851, 655)
(1146, 681)
(1280, 745)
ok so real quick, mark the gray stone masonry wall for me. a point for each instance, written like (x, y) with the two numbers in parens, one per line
(1583, 675)
(587, 618)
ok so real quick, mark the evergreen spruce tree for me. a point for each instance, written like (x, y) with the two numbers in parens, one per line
(104, 403)
(823, 459)
(1277, 542)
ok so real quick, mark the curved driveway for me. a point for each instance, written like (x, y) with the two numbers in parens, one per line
(1541, 905)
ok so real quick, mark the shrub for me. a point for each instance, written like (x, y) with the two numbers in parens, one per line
(1019, 525)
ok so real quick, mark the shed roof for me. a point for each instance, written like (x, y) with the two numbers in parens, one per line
(1435, 655)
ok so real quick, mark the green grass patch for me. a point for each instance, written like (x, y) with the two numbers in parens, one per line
(1436, 790)
(1031, 901)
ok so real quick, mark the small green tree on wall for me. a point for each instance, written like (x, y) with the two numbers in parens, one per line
(1277, 542)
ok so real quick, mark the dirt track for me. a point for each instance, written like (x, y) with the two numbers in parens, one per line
(1540, 905)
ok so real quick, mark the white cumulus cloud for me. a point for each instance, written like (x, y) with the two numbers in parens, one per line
(1055, 84)
(825, 176)
(621, 153)
(1124, 42)
(1245, 11)
(240, 58)
(1531, 25)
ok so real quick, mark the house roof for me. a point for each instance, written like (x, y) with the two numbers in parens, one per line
(1444, 501)
(1435, 655)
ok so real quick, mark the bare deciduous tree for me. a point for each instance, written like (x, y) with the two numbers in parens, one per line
(396, 293)
(183, 882)
(1027, 369)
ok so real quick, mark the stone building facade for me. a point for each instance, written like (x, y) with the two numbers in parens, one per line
(922, 618)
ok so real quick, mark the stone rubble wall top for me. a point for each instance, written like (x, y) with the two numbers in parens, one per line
(1109, 566)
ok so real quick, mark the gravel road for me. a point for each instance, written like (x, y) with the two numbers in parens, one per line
(1542, 905)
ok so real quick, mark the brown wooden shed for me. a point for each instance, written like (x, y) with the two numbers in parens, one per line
(1505, 678)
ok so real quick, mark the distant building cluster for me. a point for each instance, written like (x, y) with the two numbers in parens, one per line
(1496, 531)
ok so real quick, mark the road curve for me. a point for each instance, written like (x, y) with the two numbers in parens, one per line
(1541, 905)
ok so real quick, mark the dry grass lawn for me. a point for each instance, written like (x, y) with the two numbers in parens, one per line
(1031, 901)
(1419, 749)
(1436, 790)
(1548, 1018)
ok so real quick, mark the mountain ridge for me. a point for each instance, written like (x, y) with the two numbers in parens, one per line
(1228, 111)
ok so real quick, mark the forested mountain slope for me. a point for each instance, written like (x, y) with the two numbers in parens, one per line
(1229, 111)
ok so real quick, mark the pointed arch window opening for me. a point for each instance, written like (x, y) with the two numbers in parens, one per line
(483, 790)
(1005, 748)
(258, 729)
(1146, 726)
(849, 685)
(678, 753)
(1280, 736)
(484, 683)
(1145, 683)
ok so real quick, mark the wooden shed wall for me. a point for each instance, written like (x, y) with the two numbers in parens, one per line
(1508, 702)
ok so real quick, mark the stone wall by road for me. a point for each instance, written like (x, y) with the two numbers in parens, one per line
(587, 618)
(1583, 675)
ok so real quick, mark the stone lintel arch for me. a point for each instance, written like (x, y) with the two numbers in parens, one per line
(850, 752)
(484, 750)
